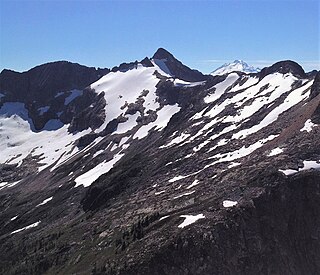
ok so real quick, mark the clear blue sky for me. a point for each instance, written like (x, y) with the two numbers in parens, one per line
(202, 34)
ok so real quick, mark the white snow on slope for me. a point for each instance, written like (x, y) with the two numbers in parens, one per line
(182, 83)
(2, 184)
(18, 137)
(176, 140)
(13, 218)
(308, 125)
(277, 85)
(288, 172)
(221, 87)
(128, 125)
(26, 227)
(97, 153)
(310, 164)
(233, 164)
(93, 174)
(194, 183)
(228, 203)
(190, 219)
(292, 99)
(45, 201)
(174, 179)
(275, 151)
(160, 192)
(307, 165)
(184, 194)
(121, 88)
(164, 116)
(8, 185)
(17, 140)
(164, 217)
(242, 152)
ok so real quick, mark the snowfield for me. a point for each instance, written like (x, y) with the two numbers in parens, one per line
(18, 140)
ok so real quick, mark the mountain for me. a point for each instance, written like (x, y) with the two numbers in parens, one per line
(235, 66)
(155, 168)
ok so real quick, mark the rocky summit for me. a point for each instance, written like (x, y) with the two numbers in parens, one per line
(154, 168)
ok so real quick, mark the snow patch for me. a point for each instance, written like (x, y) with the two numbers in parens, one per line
(177, 178)
(164, 217)
(6, 184)
(307, 165)
(184, 194)
(164, 116)
(13, 218)
(275, 151)
(190, 219)
(127, 125)
(194, 183)
(2, 184)
(182, 83)
(308, 125)
(45, 201)
(26, 227)
(242, 152)
(221, 87)
(160, 192)
(93, 174)
(233, 164)
(98, 153)
(176, 140)
(228, 203)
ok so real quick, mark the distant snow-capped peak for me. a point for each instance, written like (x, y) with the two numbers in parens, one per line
(237, 65)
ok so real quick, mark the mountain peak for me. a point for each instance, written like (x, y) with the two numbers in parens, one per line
(236, 65)
(162, 53)
(172, 66)
(285, 66)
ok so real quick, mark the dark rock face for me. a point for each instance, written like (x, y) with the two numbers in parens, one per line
(40, 87)
(277, 234)
(44, 81)
(315, 88)
(87, 112)
(177, 69)
(284, 67)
